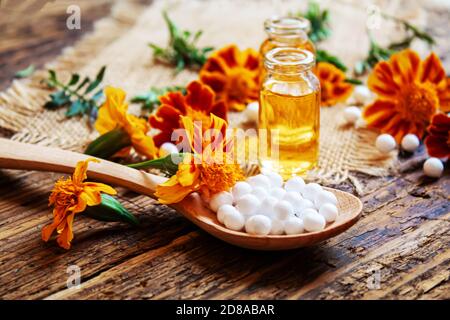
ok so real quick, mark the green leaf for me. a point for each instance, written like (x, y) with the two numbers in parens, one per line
(111, 210)
(83, 83)
(324, 56)
(76, 108)
(97, 80)
(25, 73)
(150, 100)
(60, 98)
(353, 81)
(74, 79)
(108, 144)
(168, 165)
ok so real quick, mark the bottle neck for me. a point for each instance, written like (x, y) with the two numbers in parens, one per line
(288, 63)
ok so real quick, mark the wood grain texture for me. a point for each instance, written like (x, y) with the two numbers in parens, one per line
(402, 240)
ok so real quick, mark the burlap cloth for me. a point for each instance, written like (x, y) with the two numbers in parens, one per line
(120, 42)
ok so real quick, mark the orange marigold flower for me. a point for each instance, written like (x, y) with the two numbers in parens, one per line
(438, 141)
(233, 75)
(71, 196)
(198, 104)
(410, 92)
(213, 173)
(113, 114)
(334, 89)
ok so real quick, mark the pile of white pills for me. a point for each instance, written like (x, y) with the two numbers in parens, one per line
(264, 205)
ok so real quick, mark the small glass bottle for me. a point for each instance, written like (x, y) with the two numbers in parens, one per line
(287, 32)
(290, 112)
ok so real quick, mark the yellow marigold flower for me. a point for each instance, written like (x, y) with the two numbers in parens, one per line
(410, 92)
(71, 196)
(233, 75)
(113, 114)
(214, 173)
(334, 89)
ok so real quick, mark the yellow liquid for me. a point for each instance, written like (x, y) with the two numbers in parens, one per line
(268, 45)
(295, 119)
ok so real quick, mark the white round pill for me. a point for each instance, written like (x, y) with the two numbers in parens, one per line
(219, 199)
(259, 180)
(277, 227)
(293, 225)
(329, 211)
(247, 204)
(361, 94)
(385, 143)
(323, 197)
(410, 142)
(294, 184)
(310, 190)
(240, 188)
(223, 210)
(304, 204)
(260, 192)
(234, 220)
(167, 148)
(266, 207)
(251, 112)
(258, 224)
(275, 179)
(294, 198)
(277, 193)
(352, 114)
(433, 167)
(283, 210)
(312, 221)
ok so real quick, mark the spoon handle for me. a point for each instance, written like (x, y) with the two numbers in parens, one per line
(23, 156)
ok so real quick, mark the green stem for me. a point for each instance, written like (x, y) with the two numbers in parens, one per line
(168, 164)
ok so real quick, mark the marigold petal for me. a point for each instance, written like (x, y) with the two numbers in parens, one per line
(199, 97)
(215, 80)
(100, 187)
(405, 66)
(444, 97)
(88, 197)
(433, 71)
(79, 174)
(229, 54)
(175, 100)
(220, 110)
(66, 236)
(112, 113)
(381, 81)
(172, 192)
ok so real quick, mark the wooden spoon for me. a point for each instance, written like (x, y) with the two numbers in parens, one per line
(22, 156)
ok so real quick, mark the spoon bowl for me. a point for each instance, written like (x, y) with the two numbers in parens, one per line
(22, 156)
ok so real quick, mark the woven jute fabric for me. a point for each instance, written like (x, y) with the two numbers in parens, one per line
(120, 41)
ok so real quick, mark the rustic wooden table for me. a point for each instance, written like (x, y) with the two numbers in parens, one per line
(398, 249)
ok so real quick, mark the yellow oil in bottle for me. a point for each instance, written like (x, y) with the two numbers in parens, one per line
(292, 124)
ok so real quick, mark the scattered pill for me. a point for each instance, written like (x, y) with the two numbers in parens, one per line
(385, 143)
(251, 112)
(352, 114)
(433, 167)
(410, 142)
(167, 148)
(361, 94)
